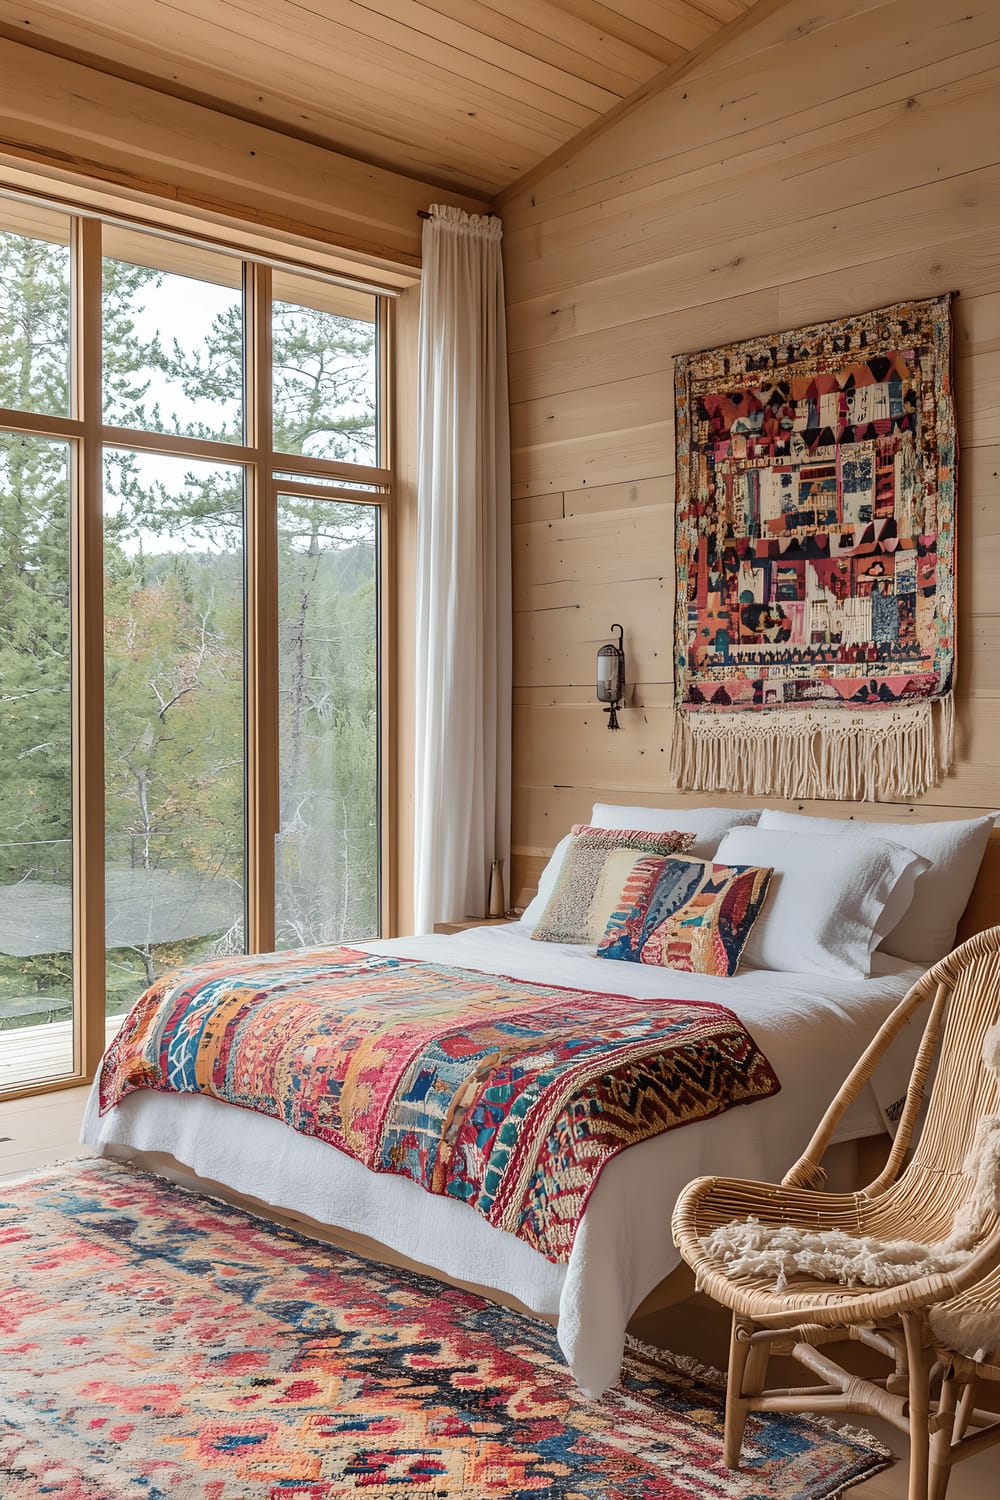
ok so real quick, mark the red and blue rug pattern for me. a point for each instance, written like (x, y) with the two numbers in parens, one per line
(160, 1346)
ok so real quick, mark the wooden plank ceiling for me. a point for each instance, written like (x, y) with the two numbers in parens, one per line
(470, 94)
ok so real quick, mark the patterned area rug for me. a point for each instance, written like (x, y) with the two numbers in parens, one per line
(160, 1346)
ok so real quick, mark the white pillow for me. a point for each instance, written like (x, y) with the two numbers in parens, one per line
(826, 900)
(926, 931)
(708, 823)
(547, 880)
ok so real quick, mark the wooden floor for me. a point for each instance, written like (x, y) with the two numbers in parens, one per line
(45, 1129)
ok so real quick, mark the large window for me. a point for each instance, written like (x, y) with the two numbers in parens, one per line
(192, 486)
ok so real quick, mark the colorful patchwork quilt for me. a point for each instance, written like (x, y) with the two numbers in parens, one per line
(507, 1095)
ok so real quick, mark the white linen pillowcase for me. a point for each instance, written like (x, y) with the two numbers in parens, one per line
(708, 824)
(924, 931)
(827, 901)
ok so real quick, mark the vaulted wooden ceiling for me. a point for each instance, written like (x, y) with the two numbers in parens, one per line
(467, 93)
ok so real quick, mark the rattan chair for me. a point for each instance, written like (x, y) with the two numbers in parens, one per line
(915, 1197)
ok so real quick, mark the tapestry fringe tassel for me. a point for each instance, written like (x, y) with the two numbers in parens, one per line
(870, 755)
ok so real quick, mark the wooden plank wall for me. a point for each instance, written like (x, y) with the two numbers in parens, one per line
(835, 156)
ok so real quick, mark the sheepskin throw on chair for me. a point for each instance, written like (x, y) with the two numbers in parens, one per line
(815, 618)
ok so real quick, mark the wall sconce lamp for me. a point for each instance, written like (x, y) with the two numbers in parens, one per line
(611, 677)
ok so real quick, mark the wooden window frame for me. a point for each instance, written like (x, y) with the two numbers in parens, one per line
(88, 436)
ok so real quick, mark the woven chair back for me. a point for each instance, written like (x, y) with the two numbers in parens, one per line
(961, 1090)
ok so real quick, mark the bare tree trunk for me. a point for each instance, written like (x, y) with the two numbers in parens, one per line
(142, 787)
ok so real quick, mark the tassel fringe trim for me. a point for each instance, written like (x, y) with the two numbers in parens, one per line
(867, 756)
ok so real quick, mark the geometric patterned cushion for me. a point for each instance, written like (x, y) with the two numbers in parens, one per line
(597, 868)
(695, 916)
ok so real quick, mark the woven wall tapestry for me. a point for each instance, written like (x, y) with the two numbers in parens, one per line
(815, 622)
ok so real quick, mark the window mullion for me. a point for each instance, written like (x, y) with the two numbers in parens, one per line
(388, 696)
(333, 468)
(88, 666)
(37, 424)
(177, 445)
(262, 618)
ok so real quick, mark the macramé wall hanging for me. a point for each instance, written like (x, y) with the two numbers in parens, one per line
(815, 620)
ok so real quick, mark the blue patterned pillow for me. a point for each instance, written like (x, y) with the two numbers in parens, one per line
(695, 916)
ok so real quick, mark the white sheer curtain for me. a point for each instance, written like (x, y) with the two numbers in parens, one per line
(463, 647)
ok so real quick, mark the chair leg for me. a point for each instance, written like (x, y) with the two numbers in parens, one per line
(747, 1373)
(941, 1441)
(919, 1405)
(966, 1406)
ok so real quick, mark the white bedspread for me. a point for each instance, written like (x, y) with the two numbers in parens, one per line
(811, 1029)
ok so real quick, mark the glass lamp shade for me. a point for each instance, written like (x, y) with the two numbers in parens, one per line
(610, 674)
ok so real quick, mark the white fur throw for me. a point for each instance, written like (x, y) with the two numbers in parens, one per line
(750, 1248)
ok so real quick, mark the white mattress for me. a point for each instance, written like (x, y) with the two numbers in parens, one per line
(812, 1030)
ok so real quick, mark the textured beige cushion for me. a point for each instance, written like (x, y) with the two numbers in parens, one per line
(594, 873)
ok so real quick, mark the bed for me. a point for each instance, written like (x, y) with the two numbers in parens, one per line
(810, 1026)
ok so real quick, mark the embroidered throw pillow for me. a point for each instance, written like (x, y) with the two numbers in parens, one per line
(696, 916)
(594, 874)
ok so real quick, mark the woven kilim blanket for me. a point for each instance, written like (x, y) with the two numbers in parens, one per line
(507, 1095)
(815, 620)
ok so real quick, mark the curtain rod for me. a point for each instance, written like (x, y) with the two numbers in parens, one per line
(423, 214)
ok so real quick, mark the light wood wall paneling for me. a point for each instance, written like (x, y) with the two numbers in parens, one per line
(971, 262)
(634, 347)
(962, 203)
(562, 742)
(557, 646)
(913, 134)
(603, 458)
(638, 401)
(552, 559)
(615, 497)
(787, 150)
(547, 507)
(752, 194)
(744, 86)
(531, 219)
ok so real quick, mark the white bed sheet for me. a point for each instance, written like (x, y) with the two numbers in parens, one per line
(812, 1030)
